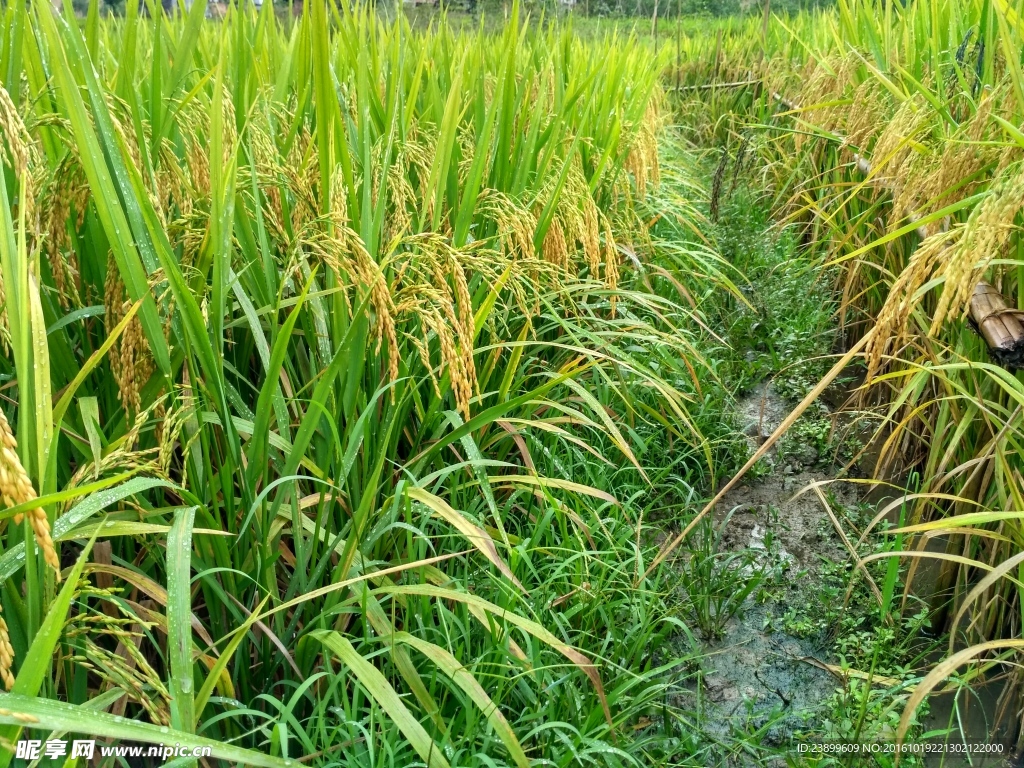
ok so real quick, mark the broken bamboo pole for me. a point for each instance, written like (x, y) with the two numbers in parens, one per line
(713, 86)
(999, 324)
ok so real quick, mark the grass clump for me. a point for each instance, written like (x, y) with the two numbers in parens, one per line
(784, 330)
(717, 582)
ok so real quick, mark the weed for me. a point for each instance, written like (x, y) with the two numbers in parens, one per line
(716, 582)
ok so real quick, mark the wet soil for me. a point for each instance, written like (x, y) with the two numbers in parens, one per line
(757, 677)
(757, 682)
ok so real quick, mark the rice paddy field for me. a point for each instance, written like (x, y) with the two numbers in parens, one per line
(515, 389)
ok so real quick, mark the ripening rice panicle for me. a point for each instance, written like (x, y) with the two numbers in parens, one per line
(611, 260)
(66, 191)
(339, 199)
(986, 234)
(865, 116)
(893, 149)
(6, 656)
(197, 162)
(578, 214)
(805, 91)
(20, 146)
(466, 141)
(373, 277)
(402, 196)
(431, 290)
(107, 643)
(128, 384)
(169, 182)
(180, 411)
(267, 166)
(642, 160)
(120, 115)
(127, 457)
(815, 93)
(892, 324)
(591, 236)
(464, 314)
(113, 293)
(229, 125)
(347, 256)
(24, 157)
(454, 362)
(131, 362)
(556, 250)
(16, 488)
(515, 224)
(964, 156)
(922, 180)
(303, 180)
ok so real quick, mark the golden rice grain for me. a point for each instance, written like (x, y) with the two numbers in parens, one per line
(6, 656)
(986, 234)
(16, 488)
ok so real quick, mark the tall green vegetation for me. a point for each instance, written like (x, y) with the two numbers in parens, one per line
(324, 353)
(892, 134)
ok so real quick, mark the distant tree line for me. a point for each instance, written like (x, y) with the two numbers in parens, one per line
(673, 8)
(621, 8)
(666, 9)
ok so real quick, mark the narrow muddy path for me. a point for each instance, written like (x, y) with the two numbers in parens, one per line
(761, 685)
(764, 580)
(772, 679)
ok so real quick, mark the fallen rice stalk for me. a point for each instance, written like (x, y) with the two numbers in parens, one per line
(773, 438)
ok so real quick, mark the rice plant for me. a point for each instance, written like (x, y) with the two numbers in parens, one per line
(332, 380)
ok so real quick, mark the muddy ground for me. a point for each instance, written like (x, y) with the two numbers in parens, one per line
(758, 684)
(756, 676)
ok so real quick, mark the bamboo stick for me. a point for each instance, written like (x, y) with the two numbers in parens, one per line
(713, 86)
(668, 547)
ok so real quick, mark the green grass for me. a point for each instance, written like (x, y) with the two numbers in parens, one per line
(785, 329)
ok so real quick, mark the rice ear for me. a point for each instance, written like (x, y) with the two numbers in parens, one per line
(16, 488)
(6, 656)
